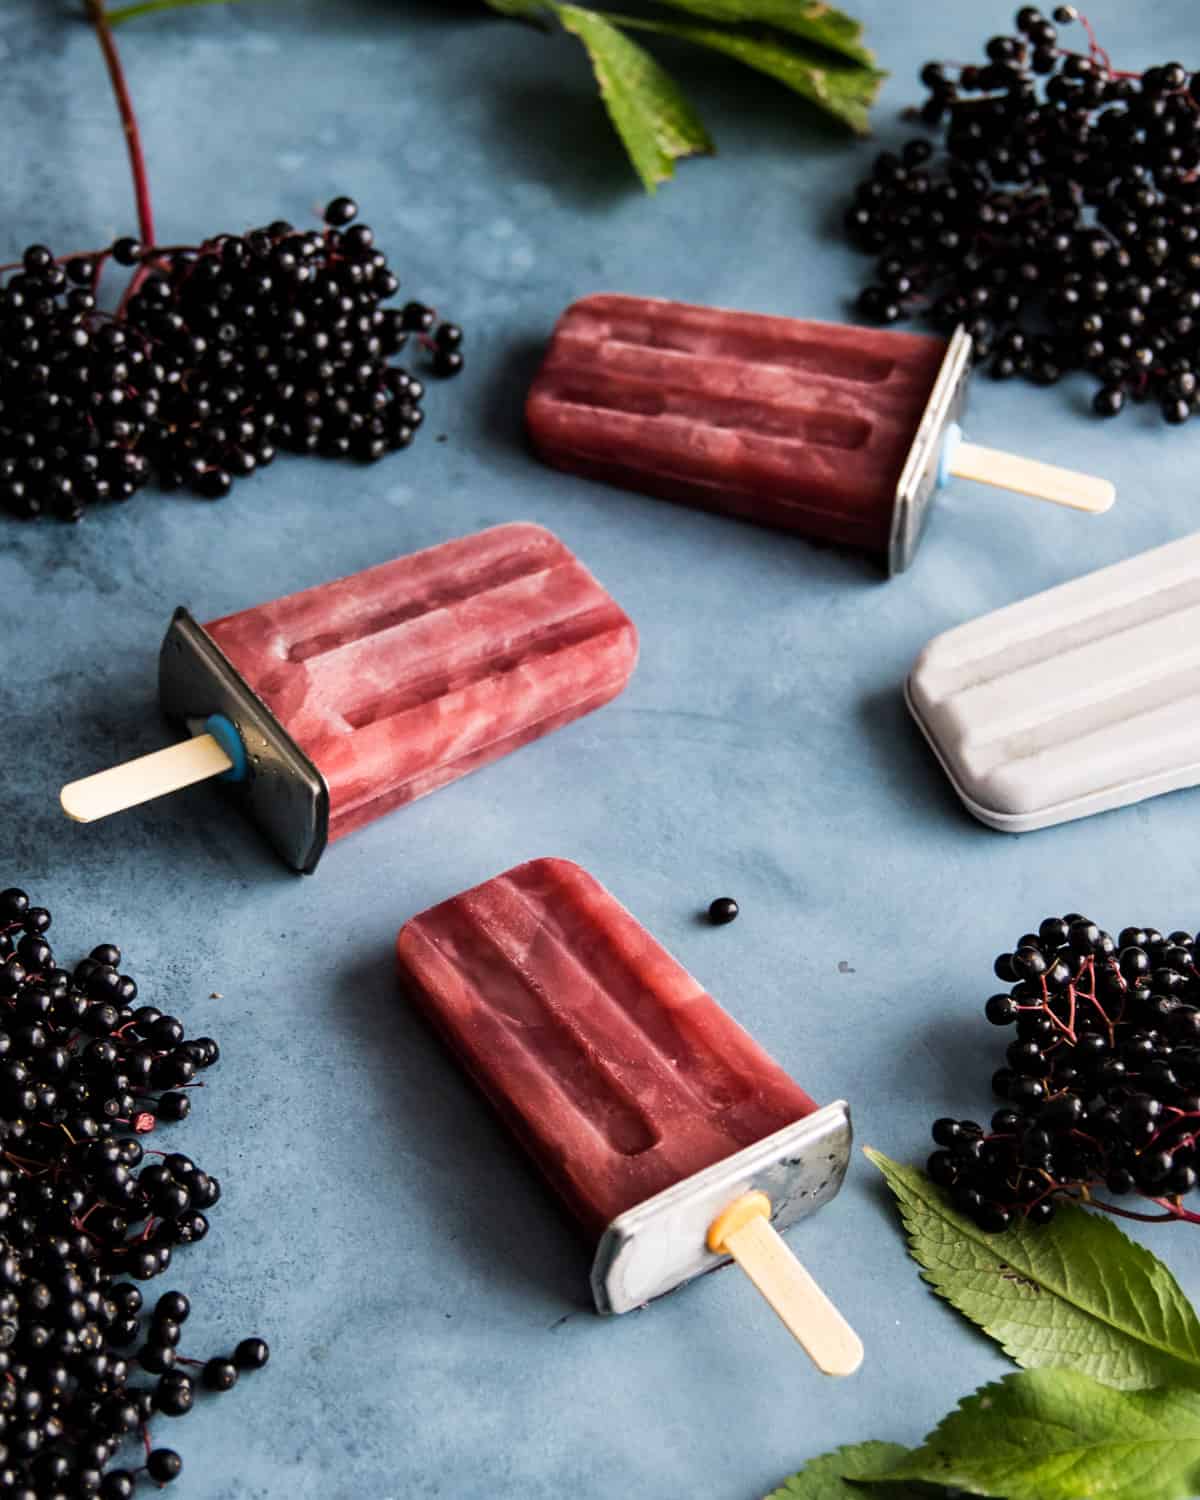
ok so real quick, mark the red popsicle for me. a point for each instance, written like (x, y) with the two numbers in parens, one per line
(408, 675)
(335, 705)
(837, 433)
(646, 1107)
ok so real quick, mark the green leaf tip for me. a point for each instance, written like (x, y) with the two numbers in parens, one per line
(826, 1478)
(653, 118)
(1060, 1435)
(522, 10)
(810, 47)
(842, 89)
(1075, 1292)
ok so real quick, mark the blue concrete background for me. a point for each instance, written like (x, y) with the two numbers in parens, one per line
(426, 1305)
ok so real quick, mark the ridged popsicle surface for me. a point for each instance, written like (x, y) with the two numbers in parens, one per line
(798, 425)
(604, 1057)
(1090, 690)
(401, 678)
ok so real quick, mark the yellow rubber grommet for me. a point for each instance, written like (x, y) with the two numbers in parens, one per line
(737, 1216)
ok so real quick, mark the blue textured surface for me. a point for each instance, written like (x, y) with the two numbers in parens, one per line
(426, 1306)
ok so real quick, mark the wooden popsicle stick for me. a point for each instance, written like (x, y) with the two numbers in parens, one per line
(144, 779)
(745, 1231)
(1009, 471)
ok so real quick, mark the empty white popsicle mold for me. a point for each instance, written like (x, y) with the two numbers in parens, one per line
(1080, 699)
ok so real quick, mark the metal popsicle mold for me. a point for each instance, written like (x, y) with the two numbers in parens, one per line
(283, 791)
(919, 477)
(658, 1245)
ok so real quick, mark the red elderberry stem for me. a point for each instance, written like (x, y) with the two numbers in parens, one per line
(133, 139)
(1177, 1211)
(1128, 1213)
(1093, 45)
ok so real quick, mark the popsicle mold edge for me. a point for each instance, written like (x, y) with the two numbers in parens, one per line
(923, 469)
(1014, 820)
(283, 791)
(658, 1245)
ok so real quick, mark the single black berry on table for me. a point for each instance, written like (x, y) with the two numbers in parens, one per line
(1060, 224)
(251, 1354)
(1101, 1092)
(724, 909)
(87, 1212)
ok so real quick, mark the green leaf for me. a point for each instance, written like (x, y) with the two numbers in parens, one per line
(842, 89)
(810, 19)
(825, 1478)
(1075, 1292)
(522, 10)
(1059, 1435)
(655, 121)
(152, 7)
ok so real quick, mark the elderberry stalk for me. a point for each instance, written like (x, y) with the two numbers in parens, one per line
(217, 355)
(86, 1215)
(1060, 222)
(1101, 1083)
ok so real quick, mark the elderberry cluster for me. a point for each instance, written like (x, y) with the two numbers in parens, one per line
(1101, 1083)
(84, 1077)
(219, 355)
(1061, 226)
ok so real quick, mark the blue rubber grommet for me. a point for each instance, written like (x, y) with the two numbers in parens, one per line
(954, 436)
(223, 731)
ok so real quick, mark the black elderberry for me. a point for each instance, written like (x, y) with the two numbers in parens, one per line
(173, 1107)
(251, 1354)
(1062, 212)
(1002, 1010)
(1102, 1079)
(174, 1394)
(163, 1465)
(284, 327)
(78, 1217)
(126, 251)
(220, 1375)
(1108, 401)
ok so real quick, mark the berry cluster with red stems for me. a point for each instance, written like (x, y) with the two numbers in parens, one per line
(218, 355)
(85, 1215)
(1101, 1083)
(1060, 224)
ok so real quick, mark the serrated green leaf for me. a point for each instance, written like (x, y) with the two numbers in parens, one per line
(842, 89)
(1075, 1292)
(825, 1477)
(1059, 1435)
(655, 121)
(810, 19)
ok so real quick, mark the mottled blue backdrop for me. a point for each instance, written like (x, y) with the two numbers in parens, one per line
(426, 1305)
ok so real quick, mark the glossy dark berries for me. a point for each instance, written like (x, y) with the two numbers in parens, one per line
(724, 909)
(1102, 1085)
(220, 1374)
(163, 1465)
(223, 354)
(1059, 224)
(126, 251)
(87, 1212)
(251, 1354)
(340, 211)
